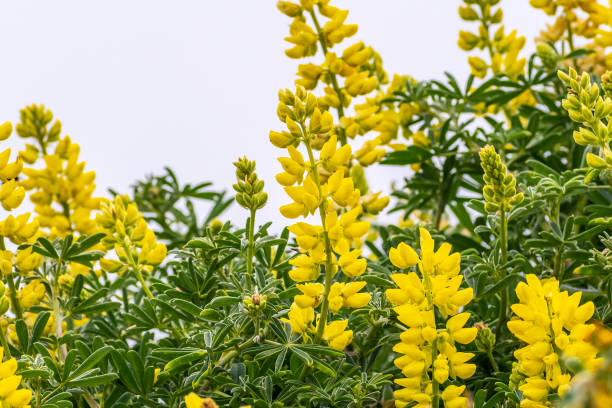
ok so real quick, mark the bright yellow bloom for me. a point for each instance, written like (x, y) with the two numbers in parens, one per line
(127, 230)
(347, 295)
(11, 396)
(193, 401)
(26, 260)
(300, 319)
(336, 335)
(32, 294)
(553, 324)
(429, 352)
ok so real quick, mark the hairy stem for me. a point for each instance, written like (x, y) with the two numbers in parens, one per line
(58, 316)
(492, 360)
(249, 260)
(328, 250)
(503, 243)
(136, 268)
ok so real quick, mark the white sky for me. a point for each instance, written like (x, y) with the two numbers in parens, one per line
(193, 84)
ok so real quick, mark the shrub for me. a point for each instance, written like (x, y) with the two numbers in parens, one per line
(493, 289)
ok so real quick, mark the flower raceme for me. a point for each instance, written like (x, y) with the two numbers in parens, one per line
(62, 191)
(581, 24)
(429, 352)
(503, 49)
(590, 106)
(553, 325)
(320, 185)
(345, 75)
(133, 241)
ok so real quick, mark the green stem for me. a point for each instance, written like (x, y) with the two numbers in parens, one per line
(58, 317)
(137, 271)
(250, 250)
(435, 398)
(233, 353)
(558, 263)
(440, 207)
(503, 243)
(140, 278)
(492, 360)
(332, 76)
(328, 249)
(14, 298)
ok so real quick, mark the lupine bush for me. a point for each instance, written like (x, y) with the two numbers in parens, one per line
(492, 289)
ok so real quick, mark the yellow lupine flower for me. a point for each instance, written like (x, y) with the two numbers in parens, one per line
(553, 324)
(193, 401)
(346, 294)
(300, 319)
(311, 295)
(62, 190)
(32, 294)
(11, 396)
(423, 345)
(322, 185)
(336, 335)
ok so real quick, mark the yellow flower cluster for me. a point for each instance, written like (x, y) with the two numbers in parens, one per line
(553, 324)
(193, 401)
(503, 49)
(356, 72)
(320, 185)
(128, 233)
(11, 396)
(588, 105)
(11, 193)
(17, 229)
(429, 354)
(582, 24)
(32, 294)
(62, 190)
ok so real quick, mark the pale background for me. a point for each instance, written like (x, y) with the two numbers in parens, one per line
(193, 84)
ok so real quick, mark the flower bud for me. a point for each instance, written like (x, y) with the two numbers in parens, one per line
(5, 130)
(595, 161)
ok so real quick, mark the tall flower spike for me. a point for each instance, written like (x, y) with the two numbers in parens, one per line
(355, 72)
(249, 188)
(320, 185)
(503, 49)
(590, 106)
(428, 348)
(133, 241)
(553, 325)
(62, 191)
(500, 189)
(250, 195)
(579, 22)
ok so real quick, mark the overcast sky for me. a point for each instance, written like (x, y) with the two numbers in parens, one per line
(193, 84)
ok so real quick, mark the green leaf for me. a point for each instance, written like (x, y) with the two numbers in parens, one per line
(94, 380)
(91, 361)
(412, 154)
(184, 360)
(222, 301)
(505, 282)
(22, 333)
(38, 327)
(48, 246)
